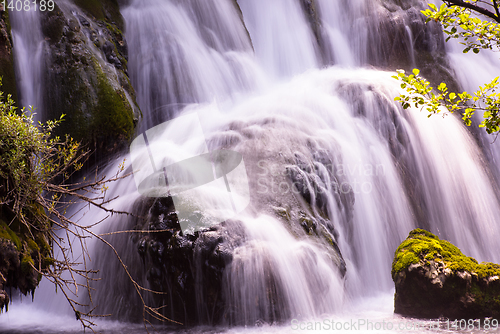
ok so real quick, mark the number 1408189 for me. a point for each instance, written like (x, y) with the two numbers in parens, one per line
(28, 5)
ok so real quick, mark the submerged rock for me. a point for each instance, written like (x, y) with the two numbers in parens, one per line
(434, 279)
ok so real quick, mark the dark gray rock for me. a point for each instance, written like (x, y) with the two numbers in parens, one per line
(7, 71)
(86, 75)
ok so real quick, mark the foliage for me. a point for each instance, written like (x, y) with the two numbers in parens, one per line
(30, 157)
(36, 191)
(458, 21)
(423, 95)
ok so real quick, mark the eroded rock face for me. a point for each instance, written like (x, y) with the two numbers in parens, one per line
(86, 74)
(15, 271)
(6, 56)
(189, 268)
(406, 41)
(434, 279)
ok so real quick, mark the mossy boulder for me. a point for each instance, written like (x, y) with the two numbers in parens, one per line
(21, 250)
(86, 75)
(18, 255)
(434, 279)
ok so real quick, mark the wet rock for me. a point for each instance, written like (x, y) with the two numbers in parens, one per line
(86, 75)
(7, 71)
(310, 10)
(14, 272)
(412, 34)
(434, 279)
(189, 268)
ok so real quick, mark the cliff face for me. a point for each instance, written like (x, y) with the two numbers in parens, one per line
(6, 56)
(85, 77)
(86, 74)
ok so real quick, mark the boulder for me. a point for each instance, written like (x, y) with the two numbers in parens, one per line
(434, 279)
(86, 75)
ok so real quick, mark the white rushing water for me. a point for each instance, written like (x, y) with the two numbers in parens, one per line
(262, 89)
(28, 57)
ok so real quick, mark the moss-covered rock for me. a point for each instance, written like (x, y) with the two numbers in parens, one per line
(86, 75)
(18, 255)
(7, 71)
(433, 279)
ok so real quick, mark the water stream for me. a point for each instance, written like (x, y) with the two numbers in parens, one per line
(267, 83)
(28, 57)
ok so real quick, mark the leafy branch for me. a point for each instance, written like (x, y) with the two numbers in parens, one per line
(458, 21)
(423, 95)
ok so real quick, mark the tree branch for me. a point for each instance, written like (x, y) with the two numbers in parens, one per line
(496, 8)
(481, 10)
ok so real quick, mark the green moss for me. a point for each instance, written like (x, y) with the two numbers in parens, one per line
(7, 71)
(33, 246)
(113, 115)
(282, 212)
(26, 263)
(97, 113)
(8, 234)
(47, 262)
(114, 29)
(43, 244)
(418, 232)
(422, 245)
(307, 223)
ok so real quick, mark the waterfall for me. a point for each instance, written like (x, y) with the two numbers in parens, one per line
(187, 41)
(338, 173)
(28, 55)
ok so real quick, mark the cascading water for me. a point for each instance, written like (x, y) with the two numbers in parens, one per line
(28, 54)
(338, 172)
(186, 43)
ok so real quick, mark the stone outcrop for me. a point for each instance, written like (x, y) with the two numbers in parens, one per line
(86, 74)
(19, 251)
(434, 279)
(188, 269)
(7, 71)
